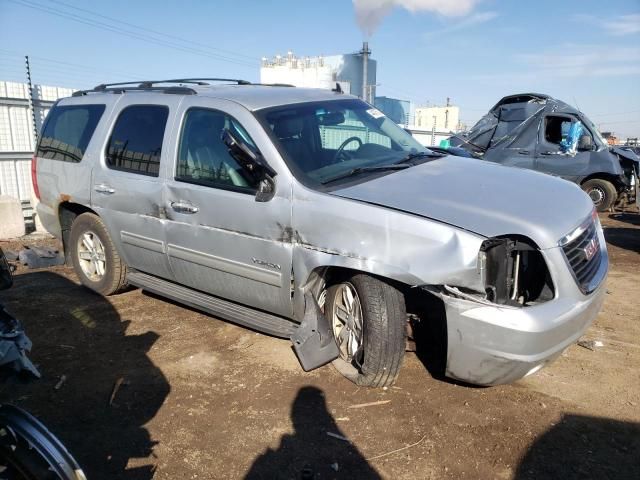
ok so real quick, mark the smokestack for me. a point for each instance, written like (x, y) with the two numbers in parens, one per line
(365, 52)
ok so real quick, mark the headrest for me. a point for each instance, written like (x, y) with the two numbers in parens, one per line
(288, 127)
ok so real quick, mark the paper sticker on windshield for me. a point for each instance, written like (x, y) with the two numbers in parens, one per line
(375, 113)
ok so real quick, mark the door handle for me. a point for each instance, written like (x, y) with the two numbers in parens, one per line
(184, 207)
(548, 153)
(523, 152)
(103, 188)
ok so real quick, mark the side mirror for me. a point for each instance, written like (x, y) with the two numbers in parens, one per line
(584, 143)
(6, 279)
(253, 163)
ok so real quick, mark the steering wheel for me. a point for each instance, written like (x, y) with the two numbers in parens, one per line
(343, 145)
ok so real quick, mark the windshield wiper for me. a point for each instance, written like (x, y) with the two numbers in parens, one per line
(413, 155)
(359, 170)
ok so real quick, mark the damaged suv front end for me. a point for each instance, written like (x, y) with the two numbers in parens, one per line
(536, 282)
(536, 303)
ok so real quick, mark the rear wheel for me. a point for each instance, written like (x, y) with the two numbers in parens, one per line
(602, 192)
(368, 321)
(94, 256)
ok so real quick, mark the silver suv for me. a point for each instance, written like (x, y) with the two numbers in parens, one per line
(307, 214)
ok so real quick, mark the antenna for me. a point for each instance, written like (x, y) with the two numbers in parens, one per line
(576, 102)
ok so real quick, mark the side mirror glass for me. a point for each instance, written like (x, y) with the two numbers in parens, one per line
(584, 143)
(6, 279)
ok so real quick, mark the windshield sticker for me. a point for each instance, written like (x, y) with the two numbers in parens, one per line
(375, 113)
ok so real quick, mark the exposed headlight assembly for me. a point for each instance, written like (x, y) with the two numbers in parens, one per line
(514, 272)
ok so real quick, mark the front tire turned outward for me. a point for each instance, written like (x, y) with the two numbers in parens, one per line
(368, 320)
(602, 192)
(94, 256)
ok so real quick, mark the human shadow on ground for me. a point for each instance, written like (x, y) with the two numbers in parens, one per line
(627, 238)
(79, 334)
(625, 217)
(310, 452)
(583, 447)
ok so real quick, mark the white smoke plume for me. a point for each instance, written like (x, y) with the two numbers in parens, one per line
(369, 13)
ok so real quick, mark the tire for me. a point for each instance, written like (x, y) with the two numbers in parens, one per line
(89, 230)
(377, 361)
(602, 192)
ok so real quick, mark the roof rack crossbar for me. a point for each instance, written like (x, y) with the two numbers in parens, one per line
(150, 83)
(203, 81)
(175, 90)
(156, 85)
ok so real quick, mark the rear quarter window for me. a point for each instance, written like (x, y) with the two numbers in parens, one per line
(135, 144)
(67, 132)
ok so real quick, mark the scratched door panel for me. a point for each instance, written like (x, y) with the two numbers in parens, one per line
(232, 247)
(128, 185)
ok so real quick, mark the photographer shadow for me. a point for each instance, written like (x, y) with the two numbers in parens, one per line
(99, 387)
(311, 452)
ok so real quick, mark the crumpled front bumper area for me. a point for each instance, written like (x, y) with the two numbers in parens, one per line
(493, 345)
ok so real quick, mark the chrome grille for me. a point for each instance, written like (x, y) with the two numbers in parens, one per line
(584, 256)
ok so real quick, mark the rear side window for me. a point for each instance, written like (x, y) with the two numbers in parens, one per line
(67, 132)
(135, 144)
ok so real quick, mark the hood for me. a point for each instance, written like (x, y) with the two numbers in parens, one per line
(625, 154)
(483, 197)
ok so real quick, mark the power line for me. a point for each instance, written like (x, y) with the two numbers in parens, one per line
(127, 33)
(609, 114)
(162, 34)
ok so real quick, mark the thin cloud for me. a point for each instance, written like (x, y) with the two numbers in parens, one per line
(620, 25)
(576, 62)
(471, 21)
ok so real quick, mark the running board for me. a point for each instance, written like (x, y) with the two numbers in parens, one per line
(226, 310)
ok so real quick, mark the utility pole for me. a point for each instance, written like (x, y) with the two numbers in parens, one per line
(31, 105)
(433, 132)
(365, 52)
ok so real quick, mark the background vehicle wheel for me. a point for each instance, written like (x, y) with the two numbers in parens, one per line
(602, 192)
(94, 256)
(368, 319)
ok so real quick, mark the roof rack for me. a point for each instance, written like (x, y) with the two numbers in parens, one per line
(153, 85)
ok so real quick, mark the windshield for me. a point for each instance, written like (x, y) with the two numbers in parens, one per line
(322, 141)
(600, 141)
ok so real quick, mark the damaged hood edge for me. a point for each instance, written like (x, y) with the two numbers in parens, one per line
(481, 197)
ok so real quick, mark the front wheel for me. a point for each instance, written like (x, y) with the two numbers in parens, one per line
(95, 258)
(602, 192)
(368, 320)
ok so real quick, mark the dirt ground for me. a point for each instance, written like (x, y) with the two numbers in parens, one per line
(203, 399)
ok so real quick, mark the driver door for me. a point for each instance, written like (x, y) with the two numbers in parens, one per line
(549, 156)
(220, 240)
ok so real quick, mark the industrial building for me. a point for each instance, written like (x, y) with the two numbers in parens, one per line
(397, 110)
(445, 118)
(18, 136)
(348, 70)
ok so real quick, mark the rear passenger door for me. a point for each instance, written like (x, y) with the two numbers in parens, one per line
(127, 183)
(221, 240)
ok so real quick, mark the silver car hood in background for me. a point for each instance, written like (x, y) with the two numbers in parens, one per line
(482, 197)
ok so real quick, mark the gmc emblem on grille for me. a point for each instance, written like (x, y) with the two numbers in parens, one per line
(590, 249)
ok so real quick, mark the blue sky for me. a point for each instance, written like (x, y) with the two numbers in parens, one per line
(582, 51)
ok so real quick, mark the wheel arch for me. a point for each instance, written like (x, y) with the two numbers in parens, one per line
(609, 177)
(67, 213)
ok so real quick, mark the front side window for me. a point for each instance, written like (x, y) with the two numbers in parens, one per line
(67, 132)
(204, 159)
(135, 144)
(322, 141)
(556, 128)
